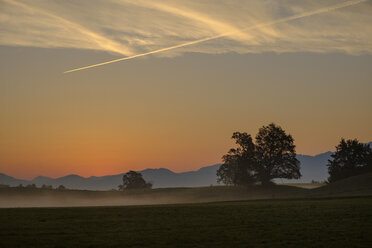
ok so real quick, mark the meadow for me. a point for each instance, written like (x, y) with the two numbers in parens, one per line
(338, 222)
(334, 215)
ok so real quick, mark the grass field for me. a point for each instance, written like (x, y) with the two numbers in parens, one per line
(342, 222)
(334, 215)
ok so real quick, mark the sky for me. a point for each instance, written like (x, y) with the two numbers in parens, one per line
(200, 70)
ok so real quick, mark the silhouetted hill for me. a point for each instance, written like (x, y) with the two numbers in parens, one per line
(78, 182)
(313, 167)
(162, 178)
(8, 180)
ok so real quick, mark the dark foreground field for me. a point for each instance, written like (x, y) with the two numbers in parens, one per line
(342, 222)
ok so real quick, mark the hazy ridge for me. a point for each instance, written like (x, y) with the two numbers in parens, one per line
(312, 168)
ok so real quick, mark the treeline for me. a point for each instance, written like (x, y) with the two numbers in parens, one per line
(272, 155)
(33, 186)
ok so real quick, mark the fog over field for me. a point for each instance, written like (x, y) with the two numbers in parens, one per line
(25, 197)
(14, 197)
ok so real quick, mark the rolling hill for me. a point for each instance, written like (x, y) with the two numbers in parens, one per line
(356, 185)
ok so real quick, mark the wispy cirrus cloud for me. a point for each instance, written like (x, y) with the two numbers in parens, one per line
(39, 27)
(130, 27)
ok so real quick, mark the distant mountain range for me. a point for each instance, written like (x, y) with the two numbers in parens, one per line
(161, 178)
(312, 168)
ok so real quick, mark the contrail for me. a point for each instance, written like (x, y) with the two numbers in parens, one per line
(286, 19)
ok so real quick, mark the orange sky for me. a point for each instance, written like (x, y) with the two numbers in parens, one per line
(154, 113)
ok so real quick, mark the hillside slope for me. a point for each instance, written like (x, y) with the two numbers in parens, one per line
(356, 185)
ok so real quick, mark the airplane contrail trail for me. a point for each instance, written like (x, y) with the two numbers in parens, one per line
(278, 21)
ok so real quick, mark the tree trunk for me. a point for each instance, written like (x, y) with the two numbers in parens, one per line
(266, 181)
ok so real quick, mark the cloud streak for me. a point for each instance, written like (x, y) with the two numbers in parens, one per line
(101, 41)
(230, 33)
(139, 28)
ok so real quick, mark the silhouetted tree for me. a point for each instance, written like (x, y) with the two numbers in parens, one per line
(275, 155)
(61, 187)
(31, 186)
(44, 186)
(351, 158)
(134, 180)
(272, 156)
(238, 164)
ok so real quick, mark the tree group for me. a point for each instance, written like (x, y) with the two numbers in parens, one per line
(351, 158)
(271, 156)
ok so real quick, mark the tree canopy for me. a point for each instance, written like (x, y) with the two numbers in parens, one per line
(351, 158)
(272, 156)
(134, 180)
(275, 154)
(238, 164)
